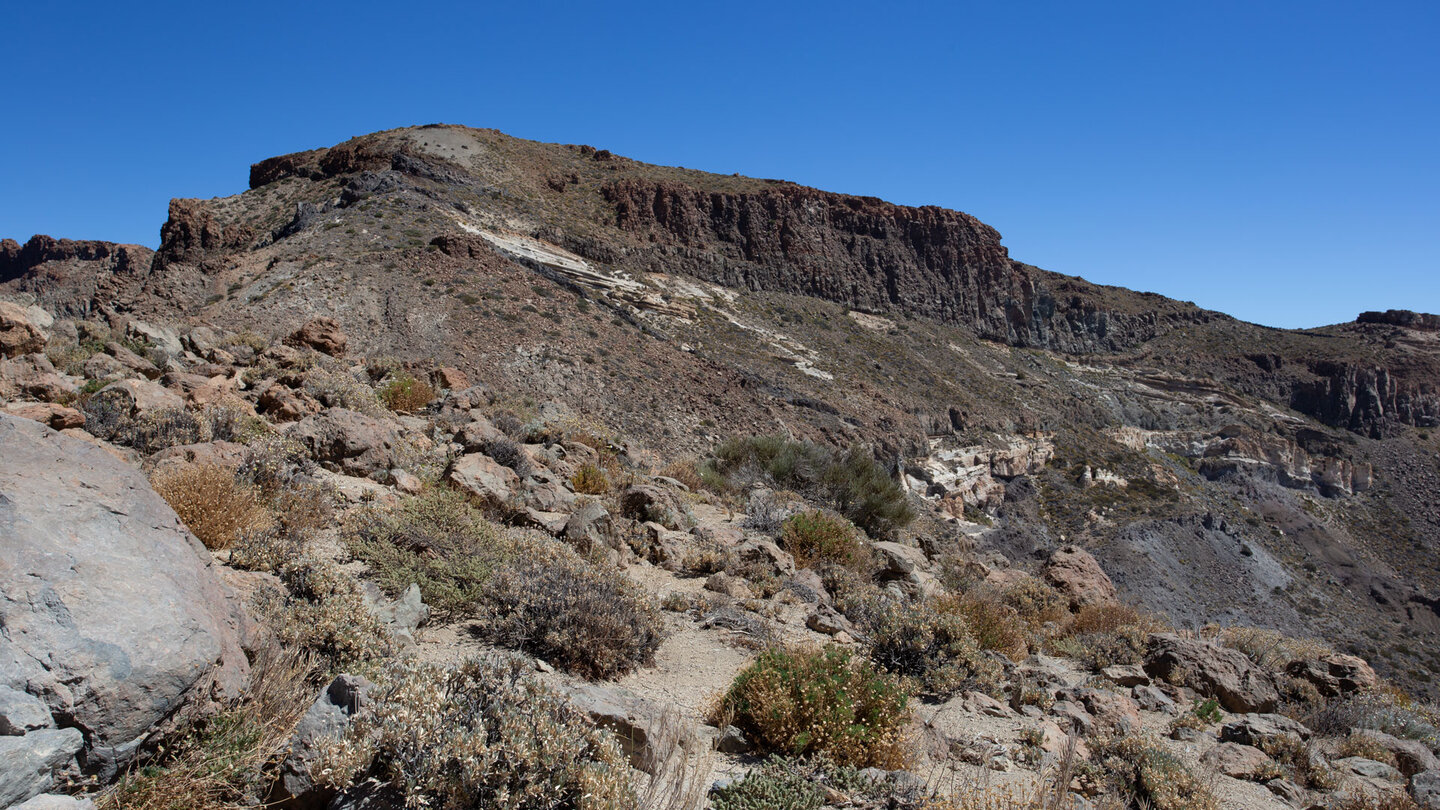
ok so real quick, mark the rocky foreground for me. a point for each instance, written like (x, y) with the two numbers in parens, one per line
(348, 532)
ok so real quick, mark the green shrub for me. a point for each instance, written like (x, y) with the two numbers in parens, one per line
(406, 394)
(934, 648)
(816, 536)
(584, 618)
(324, 612)
(485, 734)
(851, 481)
(804, 702)
(437, 540)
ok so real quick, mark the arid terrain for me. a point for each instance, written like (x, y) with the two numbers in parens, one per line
(754, 495)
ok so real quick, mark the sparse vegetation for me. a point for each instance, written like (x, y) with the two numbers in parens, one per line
(1143, 768)
(935, 649)
(590, 480)
(405, 394)
(212, 504)
(815, 536)
(802, 702)
(485, 734)
(850, 481)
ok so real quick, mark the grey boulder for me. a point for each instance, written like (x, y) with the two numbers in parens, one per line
(114, 614)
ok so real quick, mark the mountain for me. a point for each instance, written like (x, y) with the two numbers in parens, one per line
(1221, 472)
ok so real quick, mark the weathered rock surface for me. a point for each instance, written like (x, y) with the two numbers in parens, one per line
(1219, 672)
(19, 334)
(29, 764)
(1335, 674)
(321, 334)
(113, 612)
(327, 718)
(1076, 573)
(348, 442)
(484, 477)
(1236, 760)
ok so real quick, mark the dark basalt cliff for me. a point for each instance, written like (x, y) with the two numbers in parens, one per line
(876, 256)
(72, 277)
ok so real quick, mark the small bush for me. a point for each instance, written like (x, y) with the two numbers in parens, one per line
(1144, 769)
(1381, 710)
(337, 389)
(996, 625)
(788, 784)
(934, 648)
(815, 536)
(439, 541)
(406, 394)
(485, 734)
(1037, 603)
(162, 428)
(212, 504)
(325, 613)
(1360, 744)
(1271, 650)
(851, 481)
(803, 702)
(583, 618)
(1105, 635)
(509, 453)
(590, 480)
(687, 472)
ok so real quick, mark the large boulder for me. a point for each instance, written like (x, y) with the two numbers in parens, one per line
(113, 613)
(1215, 671)
(651, 503)
(322, 335)
(30, 764)
(349, 442)
(19, 333)
(1425, 789)
(1076, 573)
(485, 478)
(1334, 674)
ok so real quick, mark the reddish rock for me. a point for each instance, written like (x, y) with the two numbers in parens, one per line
(1076, 573)
(19, 334)
(321, 334)
(57, 417)
(1335, 674)
(449, 378)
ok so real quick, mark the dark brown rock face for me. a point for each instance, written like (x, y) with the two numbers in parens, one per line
(875, 256)
(70, 276)
(1423, 321)
(1367, 399)
(192, 232)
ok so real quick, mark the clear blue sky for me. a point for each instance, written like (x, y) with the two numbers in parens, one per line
(1279, 161)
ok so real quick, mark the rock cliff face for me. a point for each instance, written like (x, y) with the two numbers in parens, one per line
(71, 277)
(1367, 399)
(875, 256)
(1402, 317)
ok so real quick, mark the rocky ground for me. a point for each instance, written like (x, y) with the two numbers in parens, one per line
(437, 394)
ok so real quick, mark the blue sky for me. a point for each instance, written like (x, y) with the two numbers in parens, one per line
(1274, 160)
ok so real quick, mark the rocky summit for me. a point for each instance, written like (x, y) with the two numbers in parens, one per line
(443, 468)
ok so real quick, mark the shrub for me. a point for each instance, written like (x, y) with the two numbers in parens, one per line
(437, 540)
(815, 536)
(788, 784)
(325, 613)
(337, 389)
(1104, 635)
(1360, 744)
(851, 481)
(935, 649)
(1380, 710)
(161, 428)
(212, 504)
(804, 702)
(996, 625)
(687, 472)
(583, 618)
(485, 734)
(1037, 603)
(1271, 650)
(406, 394)
(509, 453)
(219, 764)
(590, 480)
(1154, 776)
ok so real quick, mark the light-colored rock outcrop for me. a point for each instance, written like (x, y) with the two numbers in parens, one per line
(113, 613)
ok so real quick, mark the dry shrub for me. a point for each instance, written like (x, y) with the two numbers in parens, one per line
(485, 734)
(687, 472)
(590, 480)
(1360, 744)
(508, 453)
(788, 784)
(406, 394)
(934, 648)
(1037, 603)
(337, 389)
(806, 702)
(220, 763)
(815, 536)
(996, 625)
(1392, 800)
(1386, 710)
(212, 504)
(1271, 650)
(1155, 777)
(325, 613)
(1104, 635)
(584, 618)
